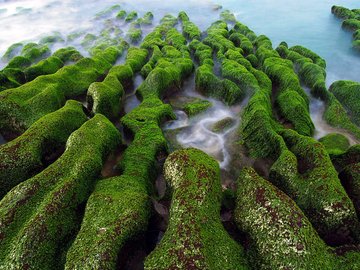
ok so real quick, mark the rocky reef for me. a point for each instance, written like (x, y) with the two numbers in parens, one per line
(351, 21)
(88, 180)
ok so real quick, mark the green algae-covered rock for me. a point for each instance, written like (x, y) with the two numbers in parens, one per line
(105, 97)
(34, 52)
(20, 62)
(239, 74)
(291, 97)
(68, 54)
(348, 93)
(351, 24)
(134, 33)
(47, 66)
(209, 84)
(307, 175)
(309, 54)
(197, 106)
(190, 30)
(21, 107)
(227, 16)
(293, 108)
(119, 207)
(12, 51)
(51, 39)
(131, 16)
(258, 127)
(39, 215)
(146, 19)
(336, 115)
(335, 143)
(25, 156)
(121, 14)
(313, 76)
(343, 13)
(195, 237)
(351, 156)
(281, 237)
(222, 125)
(242, 42)
(152, 109)
(350, 179)
(202, 52)
(136, 58)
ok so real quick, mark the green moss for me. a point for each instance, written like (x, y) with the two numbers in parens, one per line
(47, 66)
(39, 215)
(202, 52)
(291, 99)
(68, 54)
(307, 175)
(313, 76)
(20, 107)
(351, 24)
(12, 51)
(146, 19)
(169, 71)
(196, 106)
(88, 41)
(227, 16)
(105, 97)
(34, 52)
(195, 224)
(253, 60)
(131, 16)
(243, 29)
(117, 210)
(356, 44)
(119, 207)
(121, 14)
(242, 42)
(295, 110)
(281, 237)
(207, 83)
(343, 13)
(351, 181)
(239, 74)
(13, 75)
(150, 110)
(48, 40)
(22, 157)
(351, 156)
(222, 125)
(335, 143)
(19, 62)
(107, 11)
(217, 37)
(134, 34)
(348, 93)
(258, 128)
(136, 58)
(336, 115)
(309, 54)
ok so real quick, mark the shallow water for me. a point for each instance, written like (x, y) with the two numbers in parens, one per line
(131, 100)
